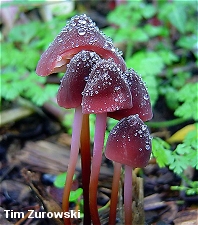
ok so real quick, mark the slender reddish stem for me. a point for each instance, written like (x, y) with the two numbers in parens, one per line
(100, 128)
(75, 143)
(128, 195)
(114, 193)
(86, 166)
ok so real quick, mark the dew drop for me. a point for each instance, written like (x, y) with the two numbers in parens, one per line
(86, 79)
(147, 147)
(117, 88)
(146, 96)
(81, 32)
(59, 58)
(144, 127)
(82, 21)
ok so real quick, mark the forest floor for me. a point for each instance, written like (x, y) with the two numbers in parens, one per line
(35, 147)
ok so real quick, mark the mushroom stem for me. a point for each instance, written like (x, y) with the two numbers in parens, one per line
(75, 143)
(100, 128)
(86, 166)
(128, 195)
(114, 193)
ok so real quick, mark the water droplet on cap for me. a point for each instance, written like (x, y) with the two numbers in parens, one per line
(147, 147)
(146, 97)
(144, 127)
(81, 32)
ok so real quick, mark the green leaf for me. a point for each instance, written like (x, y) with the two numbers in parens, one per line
(138, 35)
(148, 11)
(179, 80)
(24, 32)
(188, 96)
(39, 95)
(185, 154)
(115, 18)
(11, 56)
(161, 151)
(154, 31)
(30, 57)
(191, 137)
(60, 180)
(175, 13)
(188, 42)
(168, 56)
(148, 65)
(191, 189)
(177, 16)
(171, 97)
(75, 195)
(179, 165)
(12, 83)
(122, 35)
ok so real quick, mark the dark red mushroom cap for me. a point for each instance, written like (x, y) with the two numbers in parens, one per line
(129, 142)
(75, 78)
(141, 100)
(106, 90)
(79, 34)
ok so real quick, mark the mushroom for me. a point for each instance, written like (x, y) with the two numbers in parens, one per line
(96, 81)
(106, 91)
(70, 96)
(142, 107)
(141, 99)
(129, 143)
(80, 33)
(75, 79)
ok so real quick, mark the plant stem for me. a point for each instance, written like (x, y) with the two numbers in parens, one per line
(86, 166)
(128, 195)
(75, 143)
(100, 127)
(129, 49)
(166, 123)
(114, 193)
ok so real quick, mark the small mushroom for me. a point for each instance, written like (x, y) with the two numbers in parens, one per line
(129, 143)
(75, 79)
(80, 33)
(141, 99)
(105, 91)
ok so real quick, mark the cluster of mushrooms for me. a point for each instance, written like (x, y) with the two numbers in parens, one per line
(97, 81)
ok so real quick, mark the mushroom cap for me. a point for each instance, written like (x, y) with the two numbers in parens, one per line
(80, 33)
(129, 142)
(106, 90)
(141, 100)
(75, 78)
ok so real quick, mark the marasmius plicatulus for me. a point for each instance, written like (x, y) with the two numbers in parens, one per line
(129, 143)
(96, 81)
